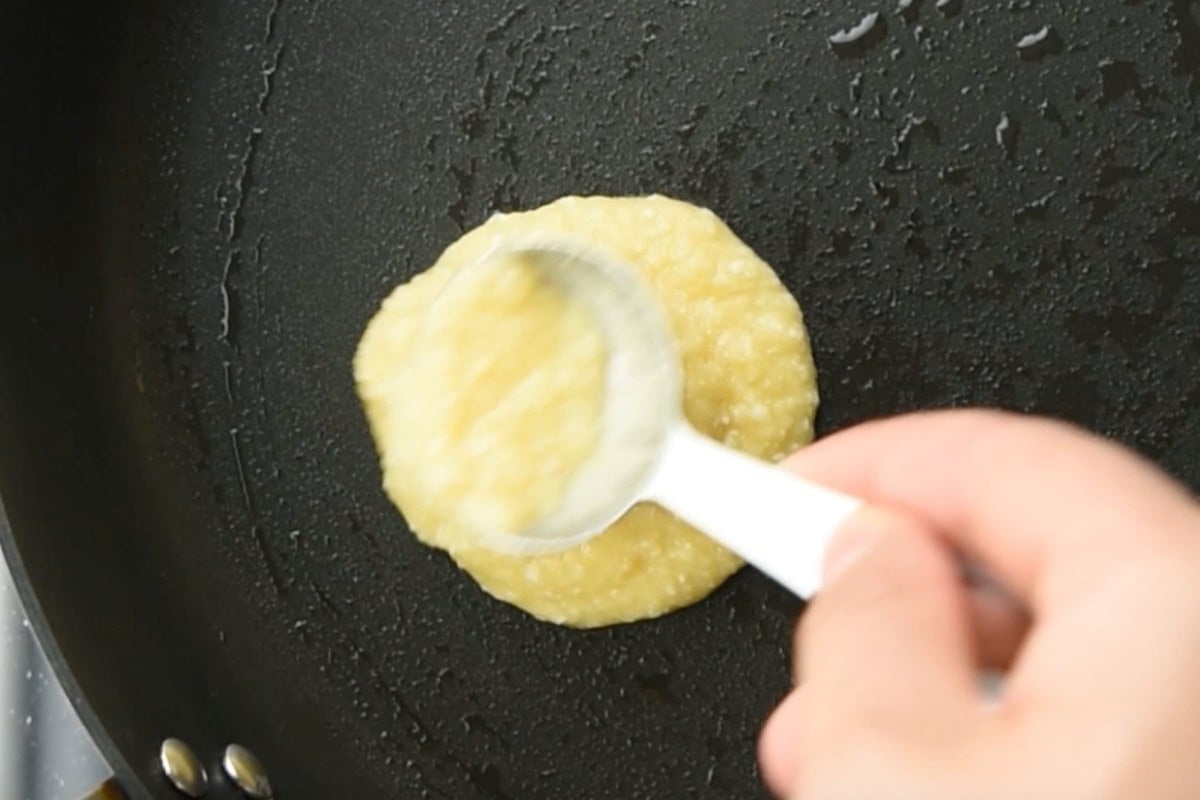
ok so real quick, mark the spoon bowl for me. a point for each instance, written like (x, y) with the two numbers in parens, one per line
(648, 451)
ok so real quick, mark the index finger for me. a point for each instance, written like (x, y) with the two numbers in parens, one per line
(1046, 507)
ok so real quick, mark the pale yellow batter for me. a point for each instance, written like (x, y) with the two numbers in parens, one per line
(512, 386)
(749, 381)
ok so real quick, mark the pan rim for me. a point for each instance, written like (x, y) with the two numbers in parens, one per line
(39, 624)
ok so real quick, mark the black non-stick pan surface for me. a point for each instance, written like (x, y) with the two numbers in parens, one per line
(203, 204)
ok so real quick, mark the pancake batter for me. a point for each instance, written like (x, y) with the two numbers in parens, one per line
(749, 381)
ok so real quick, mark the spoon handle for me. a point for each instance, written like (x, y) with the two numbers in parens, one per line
(775, 520)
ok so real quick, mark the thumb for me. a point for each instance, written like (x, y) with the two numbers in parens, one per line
(890, 634)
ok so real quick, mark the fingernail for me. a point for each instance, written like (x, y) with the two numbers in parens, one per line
(855, 539)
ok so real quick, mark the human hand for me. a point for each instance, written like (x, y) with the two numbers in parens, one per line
(1102, 698)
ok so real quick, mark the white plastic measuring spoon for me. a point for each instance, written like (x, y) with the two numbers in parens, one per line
(774, 520)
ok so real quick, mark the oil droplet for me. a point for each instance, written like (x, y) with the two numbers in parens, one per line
(1039, 44)
(1034, 210)
(1051, 114)
(854, 41)
(1187, 52)
(1006, 135)
(688, 127)
(856, 32)
(1117, 79)
(841, 242)
(887, 195)
(949, 8)
(856, 88)
(955, 175)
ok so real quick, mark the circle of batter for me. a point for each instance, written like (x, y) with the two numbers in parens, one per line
(749, 381)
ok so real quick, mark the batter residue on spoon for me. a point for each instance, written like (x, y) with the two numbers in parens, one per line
(511, 392)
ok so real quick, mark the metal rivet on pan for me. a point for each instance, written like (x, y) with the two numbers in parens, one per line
(246, 772)
(182, 768)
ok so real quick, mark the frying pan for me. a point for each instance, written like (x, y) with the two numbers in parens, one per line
(203, 203)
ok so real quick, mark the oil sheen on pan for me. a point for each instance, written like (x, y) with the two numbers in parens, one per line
(749, 381)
